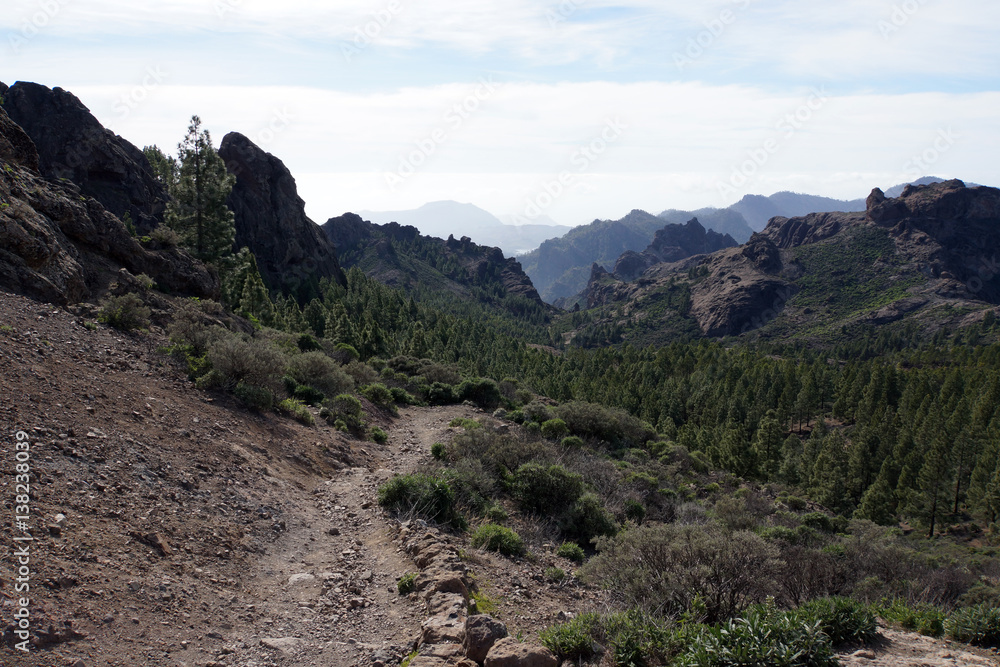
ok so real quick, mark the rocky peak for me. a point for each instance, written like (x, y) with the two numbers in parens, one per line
(73, 145)
(672, 244)
(292, 252)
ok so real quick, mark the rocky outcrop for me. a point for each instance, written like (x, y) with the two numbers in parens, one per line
(59, 246)
(741, 290)
(292, 252)
(453, 634)
(672, 244)
(73, 145)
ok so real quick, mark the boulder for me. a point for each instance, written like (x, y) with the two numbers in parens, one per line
(511, 653)
(481, 633)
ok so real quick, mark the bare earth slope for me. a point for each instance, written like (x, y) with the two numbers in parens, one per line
(175, 528)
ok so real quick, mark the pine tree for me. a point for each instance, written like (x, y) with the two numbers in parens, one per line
(164, 167)
(934, 482)
(198, 211)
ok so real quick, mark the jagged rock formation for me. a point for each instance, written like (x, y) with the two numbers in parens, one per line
(292, 252)
(672, 244)
(73, 145)
(399, 256)
(929, 254)
(720, 220)
(60, 246)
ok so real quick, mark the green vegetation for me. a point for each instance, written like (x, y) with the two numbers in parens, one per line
(407, 583)
(423, 496)
(125, 313)
(571, 551)
(498, 538)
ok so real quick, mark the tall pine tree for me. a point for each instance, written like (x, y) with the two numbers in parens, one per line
(198, 211)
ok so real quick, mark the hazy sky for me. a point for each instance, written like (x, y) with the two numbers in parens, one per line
(576, 110)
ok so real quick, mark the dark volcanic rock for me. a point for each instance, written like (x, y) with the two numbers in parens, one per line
(73, 145)
(672, 244)
(292, 252)
(398, 255)
(61, 247)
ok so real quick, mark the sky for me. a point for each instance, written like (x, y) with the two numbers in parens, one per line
(569, 110)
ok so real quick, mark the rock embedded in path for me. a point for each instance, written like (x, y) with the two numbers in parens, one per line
(509, 652)
(481, 633)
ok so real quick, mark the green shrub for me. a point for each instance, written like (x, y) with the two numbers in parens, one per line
(572, 641)
(425, 496)
(378, 435)
(439, 451)
(795, 503)
(495, 513)
(588, 519)
(634, 510)
(255, 362)
(979, 626)
(296, 409)
(482, 391)
(407, 583)
(571, 551)
(844, 620)
(258, 398)
(555, 574)
(572, 442)
(306, 343)
(441, 394)
(537, 411)
(315, 369)
(344, 408)
(400, 395)
(125, 313)
(379, 395)
(554, 429)
(548, 490)
(923, 618)
(503, 540)
(616, 427)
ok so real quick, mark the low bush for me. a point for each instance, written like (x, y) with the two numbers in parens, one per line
(503, 540)
(296, 409)
(344, 408)
(555, 574)
(441, 394)
(253, 362)
(554, 429)
(258, 398)
(125, 313)
(439, 451)
(571, 551)
(378, 435)
(379, 395)
(844, 620)
(425, 496)
(482, 391)
(923, 618)
(979, 626)
(616, 427)
(588, 519)
(545, 489)
(315, 369)
(572, 442)
(407, 583)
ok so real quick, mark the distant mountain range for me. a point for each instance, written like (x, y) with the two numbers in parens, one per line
(441, 219)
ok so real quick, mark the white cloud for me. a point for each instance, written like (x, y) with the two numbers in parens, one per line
(681, 141)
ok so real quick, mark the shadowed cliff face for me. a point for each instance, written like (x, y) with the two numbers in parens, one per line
(292, 252)
(59, 246)
(672, 244)
(73, 145)
(398, 255)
